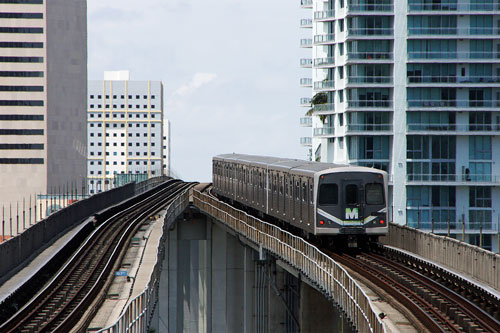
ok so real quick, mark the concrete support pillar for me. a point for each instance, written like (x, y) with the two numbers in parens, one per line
(318, 314)
(235, 279)
(219, 283)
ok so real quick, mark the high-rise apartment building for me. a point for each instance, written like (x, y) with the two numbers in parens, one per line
(125, 130)
(413, 87)
(43, 83)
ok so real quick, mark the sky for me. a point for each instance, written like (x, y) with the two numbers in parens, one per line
(230, 70)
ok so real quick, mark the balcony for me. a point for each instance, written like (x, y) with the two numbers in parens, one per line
(369, 8)
(306, 23)
(369, 32)
(306, 121)
(324, 15)
(324, 62)
(306, 63)
(306, 43)
(440, 103)
(466, 129)
(454, 31)
(369, 79)
(472, 56)
(481, 80)
(324, 39)
(493, 180)
(305, 101)
(370, 56)
(324, 85)
(324, 132)
(460, 7)
(322, 109)
(369, 128)
(306, 3)
(306, 82)
(306, 141)
(369, 104)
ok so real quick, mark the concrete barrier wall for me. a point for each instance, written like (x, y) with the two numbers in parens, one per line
(22, 248)
(473, 261)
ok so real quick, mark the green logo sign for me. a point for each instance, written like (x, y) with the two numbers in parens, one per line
(351, 214)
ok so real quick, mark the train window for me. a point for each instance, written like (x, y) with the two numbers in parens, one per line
(374, 194)
(297, 191)
(281, 185)
(328, 194)
(351, 194)
(304, 192)
(286, 187)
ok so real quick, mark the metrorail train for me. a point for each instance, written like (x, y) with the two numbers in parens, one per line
(337, 203)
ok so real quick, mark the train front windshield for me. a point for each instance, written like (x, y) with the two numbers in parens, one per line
(374, 194)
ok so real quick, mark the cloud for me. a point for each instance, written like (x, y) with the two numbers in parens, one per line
(198, 80)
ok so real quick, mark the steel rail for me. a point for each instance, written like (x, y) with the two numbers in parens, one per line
(481, 317)
(423, 311)
(44, 297)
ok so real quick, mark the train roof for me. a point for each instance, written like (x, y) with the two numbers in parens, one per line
(293, 165)
(280, 163)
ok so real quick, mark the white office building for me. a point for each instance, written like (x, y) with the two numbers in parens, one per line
(125, 131)
(43, 83)
(413, 87)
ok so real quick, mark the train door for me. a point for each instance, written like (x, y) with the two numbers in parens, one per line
(296, 202)
(353, 196)
(310, 209)
(275, 193)
(305, 200)
(281, 195)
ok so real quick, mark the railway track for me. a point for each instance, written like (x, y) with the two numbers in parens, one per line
(59, 306)
(439, 307)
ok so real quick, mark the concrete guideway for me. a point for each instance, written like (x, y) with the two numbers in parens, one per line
(330, 278)
(138, 264)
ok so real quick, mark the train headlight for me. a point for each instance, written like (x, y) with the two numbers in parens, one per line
(321, 222)
(382, 221)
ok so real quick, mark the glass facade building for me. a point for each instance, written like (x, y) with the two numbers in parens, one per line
(413, 87)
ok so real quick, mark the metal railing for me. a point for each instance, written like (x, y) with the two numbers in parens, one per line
(454, 79)
(321, 85)
(329, 107)
(305, 101)
(318, 62)
(369, 128)
(471, 55)
(306, 23)
(370, 7)
(370, 32)
(306, 141)
(452, 103)
(454, 6)
(306, 82)
(369, 55)
(316, 266)
(471, 260)
(306, 3)
(324, 131)
(453, 127)
(324, 14)
(379, 103)
(369, 79)
(306, 121)
(326, 38)
(453, 31)
(469, 178)
(137, 315)
(306, 62)
(306, 42)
